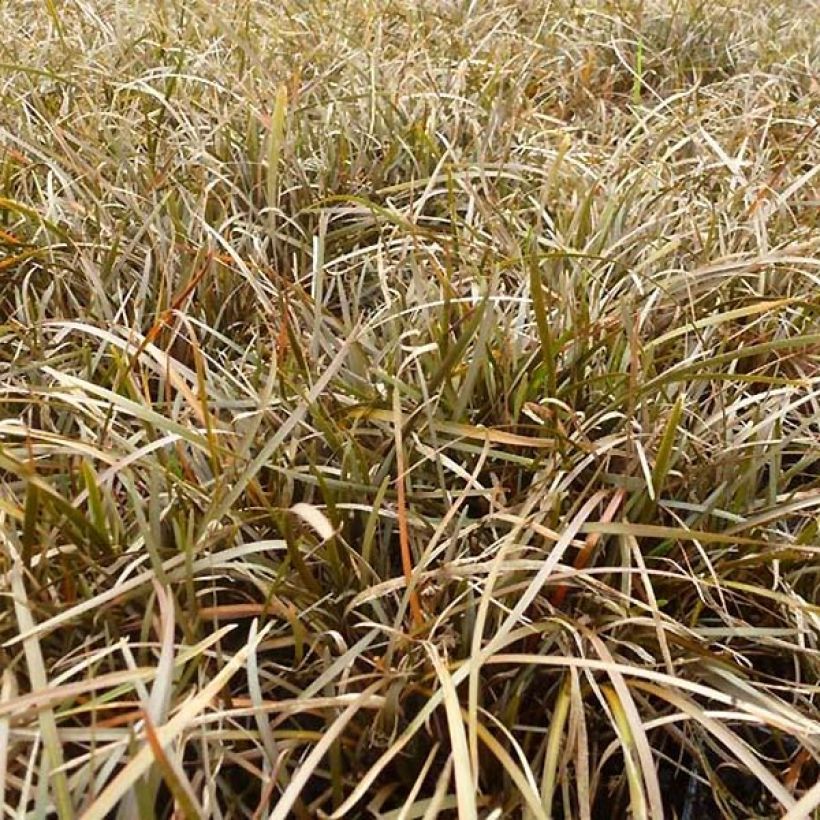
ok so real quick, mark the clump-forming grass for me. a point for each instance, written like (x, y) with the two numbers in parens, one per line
(409, 409)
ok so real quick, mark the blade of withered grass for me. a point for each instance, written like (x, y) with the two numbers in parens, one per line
(8, 691)
(549, 775)
(806, 806)
(637, 799)
(591, 542)
(158, 703)
(543, 323)
(38, 679)
(523, 781)
(578, 727)
(688, 370)
(178, 784)
(712, 320)
(631, 726)
(465, 790)
(475, 432)
(282, 809)
(406, 811)
(49, 696)
(142, 760)
(663, 643)
(439, 799)
(401, 507)
(275, 144)
(255, 690)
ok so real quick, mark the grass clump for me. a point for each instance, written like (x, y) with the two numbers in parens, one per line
(409, 409)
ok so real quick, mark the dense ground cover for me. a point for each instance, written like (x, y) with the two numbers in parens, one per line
(409, 409)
